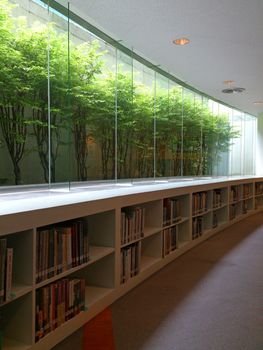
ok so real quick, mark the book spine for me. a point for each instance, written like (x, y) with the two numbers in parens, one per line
(3, 243)
(9, 269)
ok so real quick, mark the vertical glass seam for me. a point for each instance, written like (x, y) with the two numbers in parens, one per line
(49, 104)
(116, 115)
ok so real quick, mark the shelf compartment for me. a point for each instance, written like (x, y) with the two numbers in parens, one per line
(201, 213)
(138, 220)
(174, 208)
(99, 274)
(151, 251)
(259, 202)
(183, 233)
(235, 194)
(219, 217)
(66, 246)
(11, 344)
(259, 189)
(22, 271)
(16, 323)
(201, 202)
(220, 197)
(18, 291)
(235, 210)
(94, 294)
(247, 205)
(247, 190)
(220, 207)
(149, 231)
(182, 220)
(95, 253)
(147, 262)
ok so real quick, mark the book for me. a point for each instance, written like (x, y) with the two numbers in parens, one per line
(3, 247)
(9, 269)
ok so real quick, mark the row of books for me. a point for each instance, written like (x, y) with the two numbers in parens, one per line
(132, 224)
(215, 220)
(130, 261)
(169, 240)
(199, 202)
(259, 188)
(198, 227)
(247, 190)
(57, 303)
(233, 210)
(61, 247)
(234, 194)
(217, 198)
(258, 202)
(6, 267)
(171, 211)
(245, 207)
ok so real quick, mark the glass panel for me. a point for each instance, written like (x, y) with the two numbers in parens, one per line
(168, 127)
(59, 98)
(93, 81)
(162, 113)
(192, 134)
(23, 91)
(224, 140)
(141, 154)
(236, 147)
(249, 144)
(101, 133)
(174, 131)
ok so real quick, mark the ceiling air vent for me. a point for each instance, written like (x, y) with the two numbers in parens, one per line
(239, 89)
(233, 90)
(228, 91)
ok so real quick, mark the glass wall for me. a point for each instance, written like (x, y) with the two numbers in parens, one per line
(76, 108)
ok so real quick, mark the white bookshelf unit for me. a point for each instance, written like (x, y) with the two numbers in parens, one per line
(108, 241)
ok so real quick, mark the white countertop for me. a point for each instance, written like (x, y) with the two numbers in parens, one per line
(35, 198)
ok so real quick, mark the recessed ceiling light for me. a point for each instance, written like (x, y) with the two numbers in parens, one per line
(258, 103)
(228, 82)
(181, 41)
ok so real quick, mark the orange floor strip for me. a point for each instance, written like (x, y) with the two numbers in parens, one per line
(98, 332)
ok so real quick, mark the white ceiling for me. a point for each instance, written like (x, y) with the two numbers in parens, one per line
(226, 40)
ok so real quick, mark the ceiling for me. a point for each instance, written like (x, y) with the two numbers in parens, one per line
(226, 40)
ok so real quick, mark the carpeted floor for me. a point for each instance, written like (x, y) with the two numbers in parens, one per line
(211, 298)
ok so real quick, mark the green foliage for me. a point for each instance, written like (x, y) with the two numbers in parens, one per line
(82, 101)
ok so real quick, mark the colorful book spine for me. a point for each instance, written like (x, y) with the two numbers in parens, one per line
(56, 303)
(61, 247)
(9, 270)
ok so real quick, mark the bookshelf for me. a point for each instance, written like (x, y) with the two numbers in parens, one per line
(220, 207)
(259, 195)
(127, 233)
